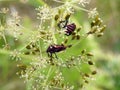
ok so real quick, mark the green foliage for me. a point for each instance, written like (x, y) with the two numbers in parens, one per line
(16, 37)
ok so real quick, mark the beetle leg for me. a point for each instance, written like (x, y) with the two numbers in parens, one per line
(51, 55)
(56, 55)
(48, 54)
(62, 24)
(65, 23)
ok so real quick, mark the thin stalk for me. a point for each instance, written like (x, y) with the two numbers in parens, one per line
(40, 48)
(5, 40)
(80, 8)
(47, 76)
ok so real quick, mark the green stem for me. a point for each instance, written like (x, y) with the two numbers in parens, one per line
(80, 8)
(47, 76)
(40, 48)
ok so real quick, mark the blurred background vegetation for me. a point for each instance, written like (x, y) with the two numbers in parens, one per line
(106, 48)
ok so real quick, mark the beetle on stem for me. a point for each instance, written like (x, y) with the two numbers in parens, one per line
(52, 49)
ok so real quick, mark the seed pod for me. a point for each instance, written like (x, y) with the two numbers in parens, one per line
(100, 34)
(73, 33)
(67, 16)
(94, 30)
(62, 85)
(33, 45)
(69, 46)
(92, 24)
(83, 51)
(56, 17)
(100, 22)
(36, 50)
(73, 37)
(33, 53)
(17, 24)
(52, 64)
(94, 72)
(90, 32)
(42, 32)
(86, 81)
(27, 53)
(66, 40)
(78, 29)
(78, 37)
(21, 66)
(89, 54)
(97, 21)
(28, 47)
(90, 62)
(86, 75)
(102, 29)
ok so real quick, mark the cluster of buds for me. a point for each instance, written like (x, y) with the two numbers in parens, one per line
(9, 26)
(13, 24)
(41, 72)
(96, 26)
(22, 69)
(16, 55)
(32, 49)
(58, 82)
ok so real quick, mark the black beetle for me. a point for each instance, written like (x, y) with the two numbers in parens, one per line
(52, 49)
(70, 28)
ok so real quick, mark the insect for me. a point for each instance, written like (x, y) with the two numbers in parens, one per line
(52, 49)
(70, 28)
